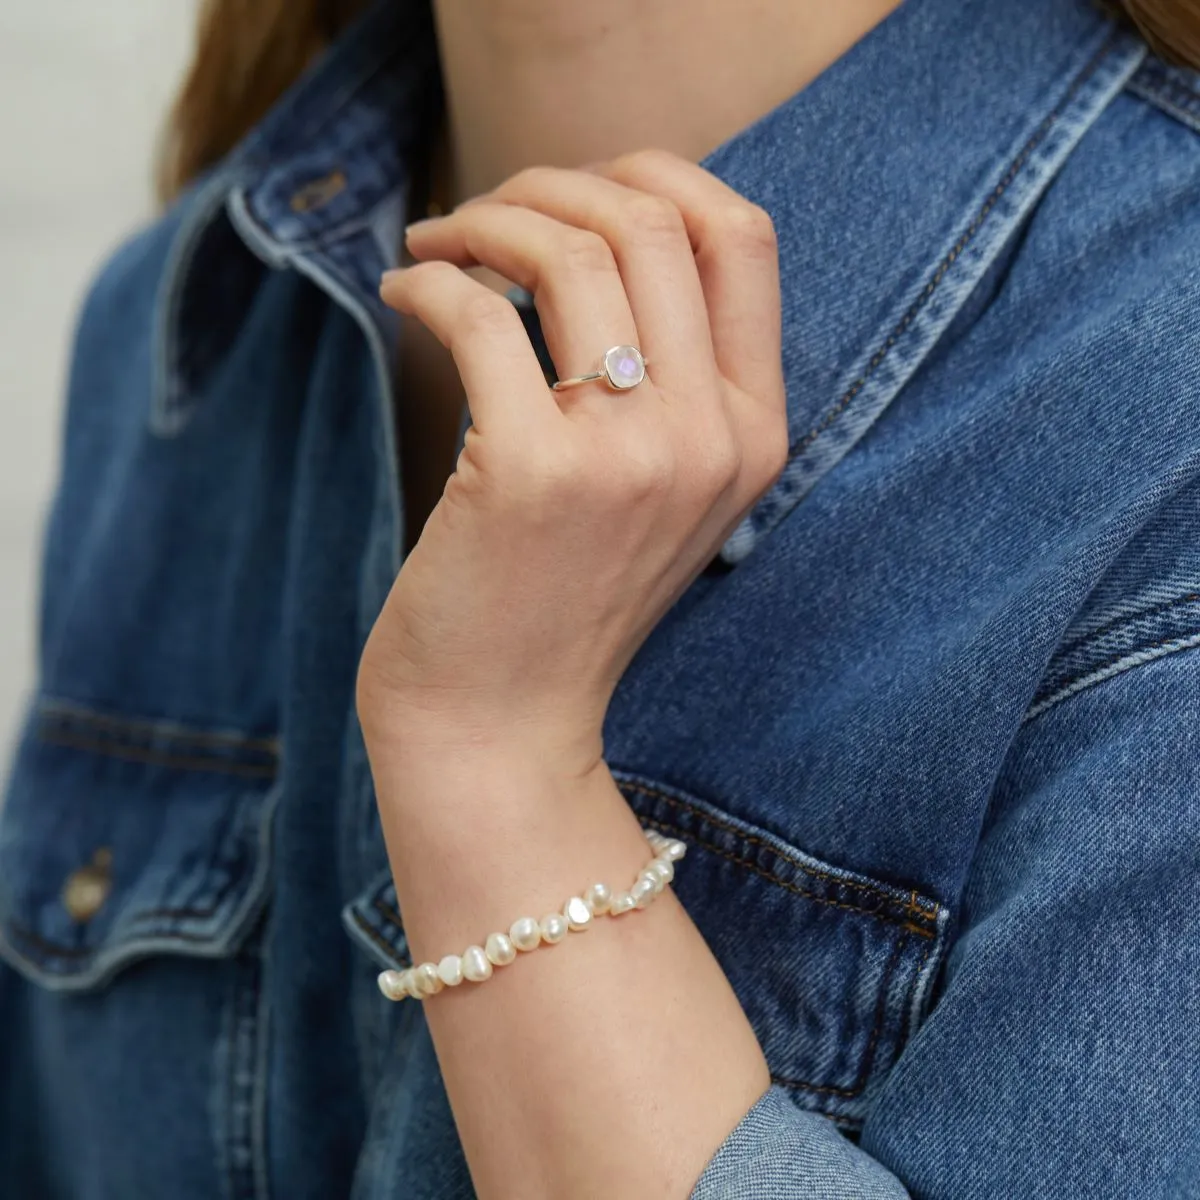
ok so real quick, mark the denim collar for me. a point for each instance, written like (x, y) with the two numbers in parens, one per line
(895, 180)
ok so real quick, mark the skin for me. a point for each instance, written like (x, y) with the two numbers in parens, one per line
(616, 1062)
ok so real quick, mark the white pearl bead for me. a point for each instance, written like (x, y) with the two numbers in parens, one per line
(410, 984)
(499, 949)
(391, 984)
(674, 851)
(428, 983)
(554, 927)
(664, 868)
(598, 898)
(622, 902)
(656, 839)
(642, 893)
(525, 933)
(577, 912)
(475, 964)
(651, 877)
(450, 970)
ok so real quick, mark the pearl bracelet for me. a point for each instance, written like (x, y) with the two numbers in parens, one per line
(476, 963)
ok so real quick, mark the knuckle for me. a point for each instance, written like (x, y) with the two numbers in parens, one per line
(586, 253)
(647, 469)
(749, 227)
(486, 313)
(653, 217)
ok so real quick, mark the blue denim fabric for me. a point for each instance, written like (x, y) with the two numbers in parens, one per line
(930, 723)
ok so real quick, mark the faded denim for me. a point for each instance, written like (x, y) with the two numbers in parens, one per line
(928, 724)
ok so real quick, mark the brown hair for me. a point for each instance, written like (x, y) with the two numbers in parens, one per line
(250, 51)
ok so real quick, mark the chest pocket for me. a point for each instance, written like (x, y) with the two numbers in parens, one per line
(832, 968)
(123, 838)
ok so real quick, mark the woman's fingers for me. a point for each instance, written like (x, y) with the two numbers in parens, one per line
(505, 388)
(571, 272)
(649, 242)
(737, 259)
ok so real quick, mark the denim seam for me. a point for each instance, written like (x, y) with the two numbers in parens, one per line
(1126, 660)
(156, 758)
(1183, 115)
(392, 953)
(1006, 181)
(887, 918)
(1114, 626)
(868, 1059)
(167, 730)
(744, 835)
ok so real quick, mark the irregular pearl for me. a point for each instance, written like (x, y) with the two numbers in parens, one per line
(664, 868)
(554, 927)
(428, 981)
(525, 933)
(577, 912)
(651, 877)
(674, 851)
(391, 984)
(475, 964)
(450, 970)
(499, 949)
(410, 984)
(642, 893)
(656, 839)
(622, 902)
(598, 897)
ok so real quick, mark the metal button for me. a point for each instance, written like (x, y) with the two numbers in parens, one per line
(318, 192)
(87, 889)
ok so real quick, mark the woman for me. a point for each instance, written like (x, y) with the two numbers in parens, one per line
(872, 593)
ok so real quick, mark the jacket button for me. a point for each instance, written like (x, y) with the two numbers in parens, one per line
(86, 889)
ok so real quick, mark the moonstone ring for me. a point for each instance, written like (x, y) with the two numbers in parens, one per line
(623, 368)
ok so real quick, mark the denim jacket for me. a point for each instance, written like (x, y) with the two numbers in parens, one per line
(929, 723)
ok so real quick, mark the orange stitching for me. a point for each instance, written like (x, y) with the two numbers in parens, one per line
(386, 947)
(919, 303)
(62, 710)
(155, 758)
(789, 887)
(390, 915)
(761, 842)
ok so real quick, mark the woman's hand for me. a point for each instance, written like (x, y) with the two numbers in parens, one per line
(575, 519)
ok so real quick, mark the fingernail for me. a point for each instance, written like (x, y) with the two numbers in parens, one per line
(423, 223)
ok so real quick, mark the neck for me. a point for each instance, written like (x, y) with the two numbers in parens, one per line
(562, 82)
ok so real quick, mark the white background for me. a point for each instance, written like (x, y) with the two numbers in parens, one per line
(84, 85)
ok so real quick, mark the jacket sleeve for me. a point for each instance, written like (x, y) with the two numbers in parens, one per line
(1060, 1058)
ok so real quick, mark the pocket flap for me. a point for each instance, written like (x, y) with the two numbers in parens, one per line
(831, 967)
(373, 920)
(125, 838)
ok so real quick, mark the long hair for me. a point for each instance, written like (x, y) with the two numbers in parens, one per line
(249, 52)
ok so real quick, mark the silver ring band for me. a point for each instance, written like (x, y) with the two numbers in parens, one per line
(623, 367)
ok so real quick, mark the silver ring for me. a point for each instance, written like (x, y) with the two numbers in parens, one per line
(622, 368)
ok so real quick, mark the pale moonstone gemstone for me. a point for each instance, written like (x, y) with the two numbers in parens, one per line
(475, 964)
(499, 949)
(450, 970)
(391, 984)
(577, 912)
(554, 927)
(598, 897)
(674, 850)
(622, 902)
(642, 893)
(525, 933)
(625, 366)
(428, 981)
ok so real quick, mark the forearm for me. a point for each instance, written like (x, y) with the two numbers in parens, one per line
(614, 1063)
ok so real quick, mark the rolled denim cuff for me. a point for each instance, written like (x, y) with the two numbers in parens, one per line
(780, 1152)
